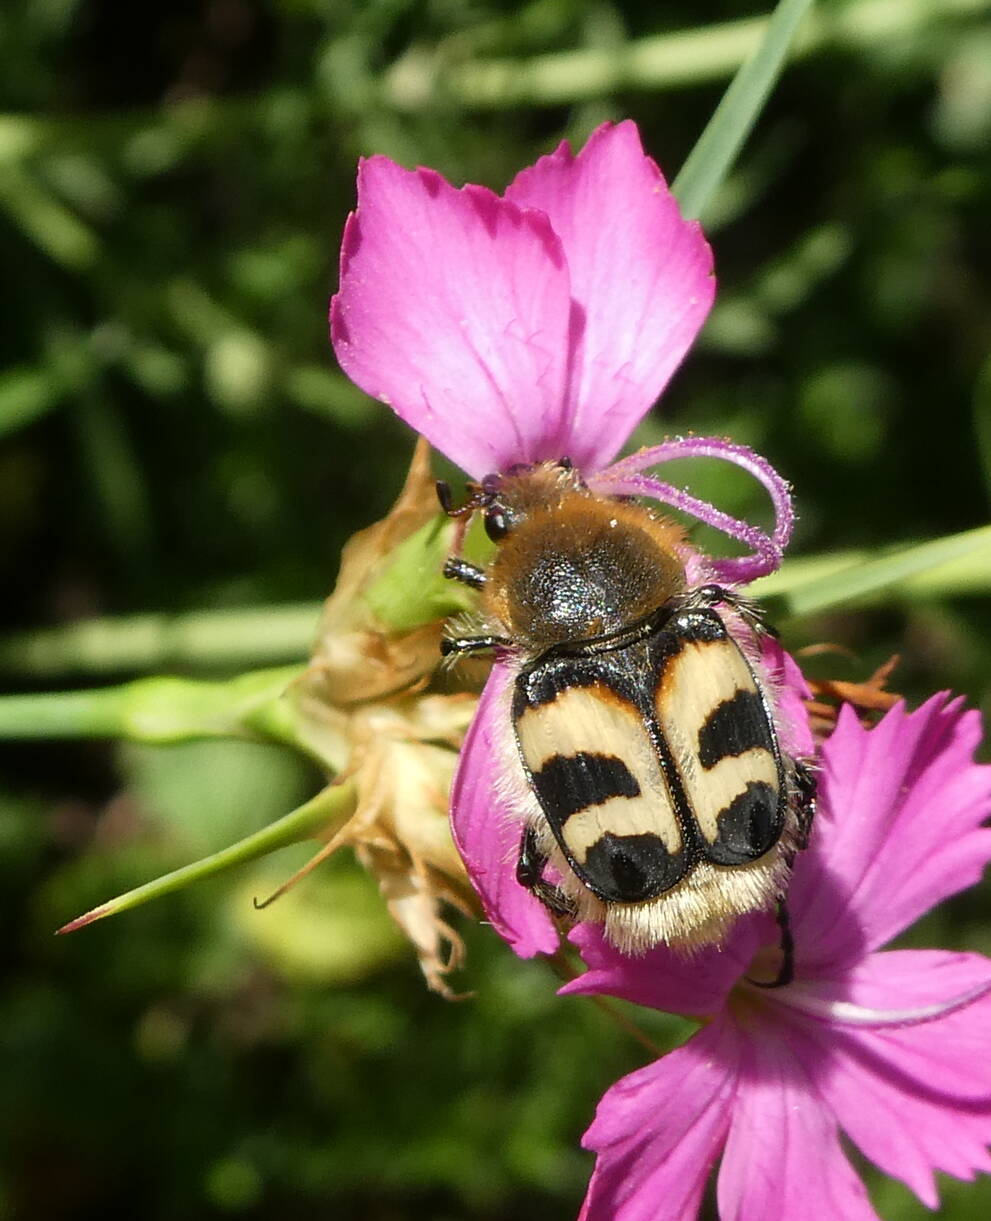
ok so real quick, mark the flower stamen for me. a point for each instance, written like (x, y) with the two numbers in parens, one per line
(803, 998)
(626, 478)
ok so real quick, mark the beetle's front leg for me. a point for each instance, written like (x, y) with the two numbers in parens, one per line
(751, 612)
(806, 788)
(457, 569)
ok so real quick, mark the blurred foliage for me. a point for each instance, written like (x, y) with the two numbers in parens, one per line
(174, 437)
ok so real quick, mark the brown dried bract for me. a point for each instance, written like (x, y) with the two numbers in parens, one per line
(868, 698)
(402, 759)
(356, 658)
(363, 710)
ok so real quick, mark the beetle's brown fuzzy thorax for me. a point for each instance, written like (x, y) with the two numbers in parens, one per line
(581, 566)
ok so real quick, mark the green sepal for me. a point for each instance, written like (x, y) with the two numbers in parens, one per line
(412, 591)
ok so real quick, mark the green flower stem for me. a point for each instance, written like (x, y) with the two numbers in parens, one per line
(264, 635)
(158, 710)
(408, 592)
(733, 119)
(665, 61)
(330, 807)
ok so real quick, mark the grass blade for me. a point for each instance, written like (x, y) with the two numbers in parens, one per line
(712, 157)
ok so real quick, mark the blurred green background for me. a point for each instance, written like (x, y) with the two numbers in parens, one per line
(175, 437)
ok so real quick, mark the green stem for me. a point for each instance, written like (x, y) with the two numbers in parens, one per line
(330, 806)
(406, 592)
(733, 119)
(155, 710)
(264, 635)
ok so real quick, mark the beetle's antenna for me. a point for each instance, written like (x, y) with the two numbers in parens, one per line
(477, 499)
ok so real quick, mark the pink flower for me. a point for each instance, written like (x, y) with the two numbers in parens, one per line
(893, 1048)
(533, 326)
(543, 324)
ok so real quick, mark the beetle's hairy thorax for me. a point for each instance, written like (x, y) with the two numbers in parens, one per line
(576, 566)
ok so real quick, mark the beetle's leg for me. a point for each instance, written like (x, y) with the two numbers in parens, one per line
(471, 644)
(446, 497)
(456, 569)
(806, 787)
(748, 610)
(786, 972)
(530, 873)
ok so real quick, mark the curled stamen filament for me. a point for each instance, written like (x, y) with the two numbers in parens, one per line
(626, 478)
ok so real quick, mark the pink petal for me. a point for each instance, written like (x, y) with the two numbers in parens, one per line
(783, 1156)
(790, 691)
(486, 833)
(899, 987)
(915, 1098)
(900, 808)
(454, 308)
(694, 985)
(658, 1132)
(640, 274)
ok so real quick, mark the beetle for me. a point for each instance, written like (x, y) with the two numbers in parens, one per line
(641, 750)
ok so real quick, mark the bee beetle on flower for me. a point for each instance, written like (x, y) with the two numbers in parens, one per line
(641, 752)
(626, 764)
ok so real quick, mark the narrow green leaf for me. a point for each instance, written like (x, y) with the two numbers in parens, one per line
(331, 806)
(47, 222)
(25, 394)
(712, 157)
(954, 564)
(803, 570)
(20, 135)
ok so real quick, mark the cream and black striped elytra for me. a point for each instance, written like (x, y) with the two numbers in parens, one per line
(640, 745)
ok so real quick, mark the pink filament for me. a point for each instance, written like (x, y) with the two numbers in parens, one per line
(626, 478)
